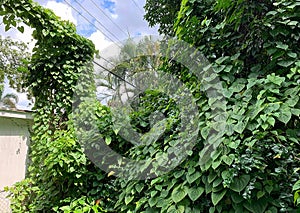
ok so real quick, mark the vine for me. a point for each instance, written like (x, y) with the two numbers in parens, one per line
(60, 55)
(253, 48)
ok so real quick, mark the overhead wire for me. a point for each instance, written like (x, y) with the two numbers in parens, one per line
(116, 75)
(103, 12)
(107, 61)
(93, 24)
(96, 63)
(97, 20)
(95, 27)
(137, 6)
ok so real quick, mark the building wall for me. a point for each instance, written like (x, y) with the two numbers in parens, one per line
(14, 144)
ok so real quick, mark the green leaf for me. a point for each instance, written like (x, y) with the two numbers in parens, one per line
(219, 68)
(108, 140)
(285, 115)
(284, 63)
(271, 13)
(221, 59)
(21, 29)
(275, 79)
(282, 46)
(269, 188)
(65, 208)
(128, 199)
(45, 32)
(297, 197)
(293, 23)
(217, 183)
(239, 183)
(211, 177)
(228, 159)
(234, 57)
(172, 209)
(7, 27)
(257, 206)
(178, 193)
(152, 201)
(239, 127)
(295, 112)
(271, 121)
(216, 164)
(296, 185)
(292, 55)
(260, 194)
(212, 210)
(234, 144)
(195, 193)
(236, 198)
(139, 187)
(180, 209)
(178, 174)
(217, 196)
(193, 177)
(291, 102)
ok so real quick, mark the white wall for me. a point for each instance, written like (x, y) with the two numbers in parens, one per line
(14, 143)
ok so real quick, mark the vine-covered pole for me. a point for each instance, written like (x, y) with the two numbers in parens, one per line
(60, 55)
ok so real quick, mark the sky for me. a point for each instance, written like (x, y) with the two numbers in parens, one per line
(102, 21)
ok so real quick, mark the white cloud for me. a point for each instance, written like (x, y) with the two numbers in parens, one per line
(126, 19)
(114, 16)
(131, 18)
(99, 40)
(62, 10)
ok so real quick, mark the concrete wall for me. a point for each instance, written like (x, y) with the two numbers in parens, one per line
(14, 143)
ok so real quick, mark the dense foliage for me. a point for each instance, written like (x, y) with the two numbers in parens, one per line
(59, 173)
(252, 46)
(162, 13)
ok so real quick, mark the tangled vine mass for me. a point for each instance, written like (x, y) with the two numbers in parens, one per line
(253, 49)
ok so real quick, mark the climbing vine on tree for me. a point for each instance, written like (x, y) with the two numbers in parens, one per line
(58, 173)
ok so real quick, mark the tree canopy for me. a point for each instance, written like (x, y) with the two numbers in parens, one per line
(14, 56)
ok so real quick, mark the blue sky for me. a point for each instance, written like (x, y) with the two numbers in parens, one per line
(114, 19)
(109, 5)
(102, 21)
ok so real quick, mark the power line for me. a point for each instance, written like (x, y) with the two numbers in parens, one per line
(137, 6)
(97, 20)
(98, 29)
(108, 17)
(107, 61)
(101, 25)
(116, 75)
(92, 23)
